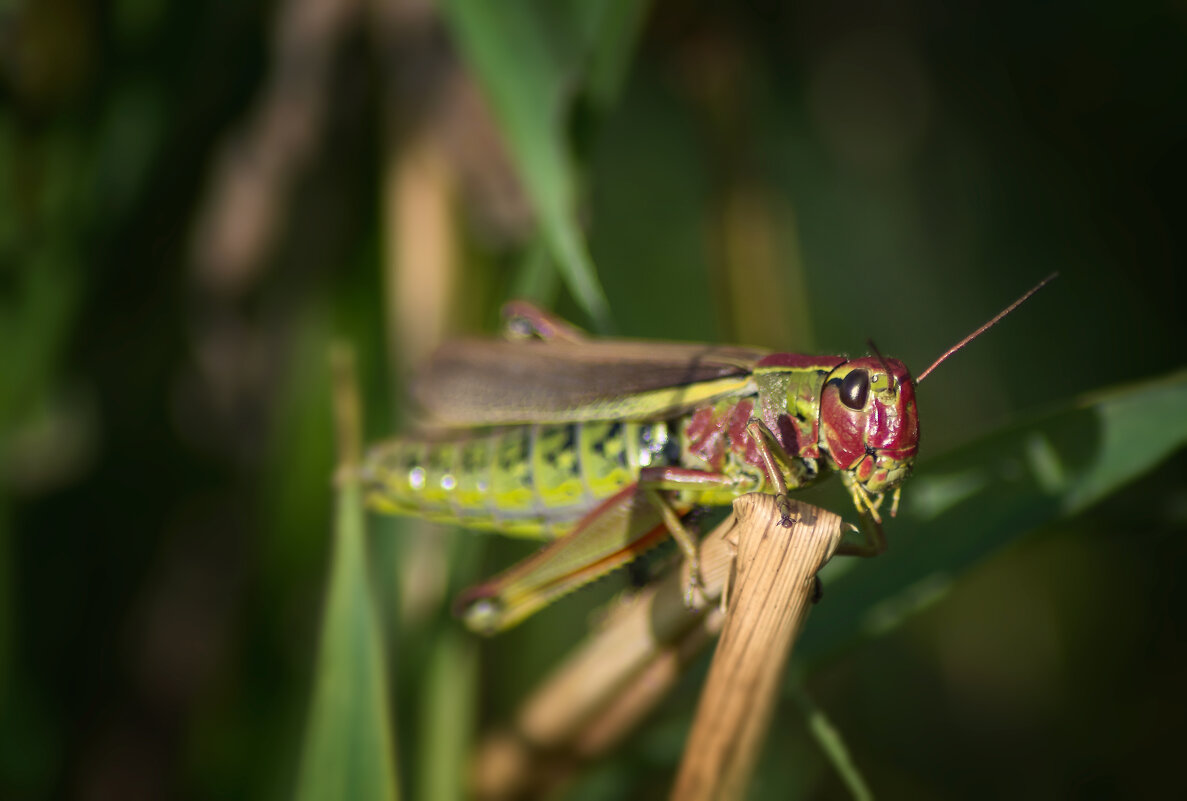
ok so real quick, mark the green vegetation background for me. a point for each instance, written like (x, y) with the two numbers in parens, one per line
(792, 175)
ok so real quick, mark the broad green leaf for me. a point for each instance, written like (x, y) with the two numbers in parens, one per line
(349, 750)
(529, 58)
(968, 503)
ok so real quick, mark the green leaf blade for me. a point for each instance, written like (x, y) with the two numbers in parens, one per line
(529, 59)
(973, 501)
(349, 749)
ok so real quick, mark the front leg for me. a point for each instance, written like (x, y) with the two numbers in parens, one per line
(872, 539)
(762, 438)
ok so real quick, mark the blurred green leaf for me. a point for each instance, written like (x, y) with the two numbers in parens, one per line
(529, 58)
(973, 501)
(611, 31)
(829, 738)
(349, 750)
(447, 722)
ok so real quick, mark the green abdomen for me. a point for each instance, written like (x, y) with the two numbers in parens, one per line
(530, 480)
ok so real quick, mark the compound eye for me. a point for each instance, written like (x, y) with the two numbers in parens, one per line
(855, 388)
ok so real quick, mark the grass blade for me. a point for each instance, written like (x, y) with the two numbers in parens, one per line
(349, 750)
(973, 501)
(529, 60)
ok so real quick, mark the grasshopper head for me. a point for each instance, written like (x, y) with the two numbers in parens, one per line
(869, 426)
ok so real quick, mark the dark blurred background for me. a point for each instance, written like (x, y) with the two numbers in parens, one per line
(196, 197)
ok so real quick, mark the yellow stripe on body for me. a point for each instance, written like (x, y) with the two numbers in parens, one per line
(664, 403)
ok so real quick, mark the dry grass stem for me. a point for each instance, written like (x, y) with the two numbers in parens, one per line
(611, 681)
(769, 600)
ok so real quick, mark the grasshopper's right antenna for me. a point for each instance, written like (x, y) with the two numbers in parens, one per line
(987, 326)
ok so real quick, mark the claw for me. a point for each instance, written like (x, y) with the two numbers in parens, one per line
(784, 505)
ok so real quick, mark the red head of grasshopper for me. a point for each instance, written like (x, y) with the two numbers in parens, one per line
(868, 421)
(869, 424)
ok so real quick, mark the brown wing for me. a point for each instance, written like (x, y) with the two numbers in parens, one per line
(492, 382)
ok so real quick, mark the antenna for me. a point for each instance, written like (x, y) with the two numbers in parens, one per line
(882, 359)
(997, 317)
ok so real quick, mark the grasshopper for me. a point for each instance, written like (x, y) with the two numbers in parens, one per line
(603, 446)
